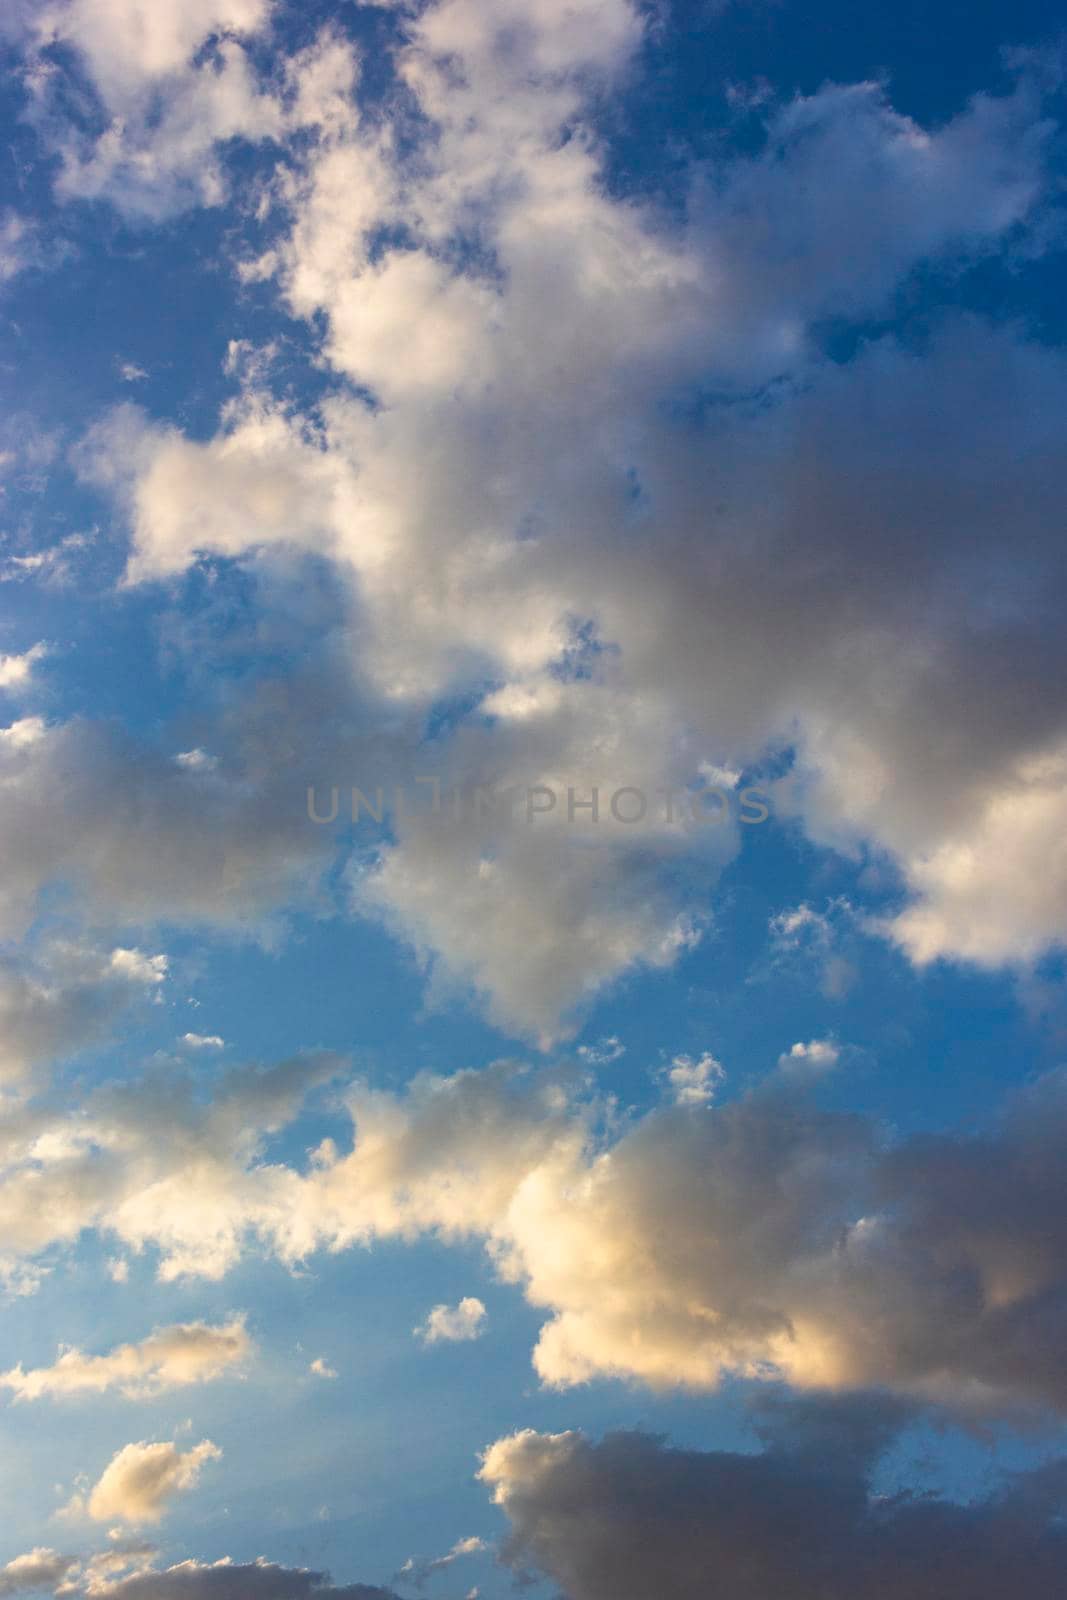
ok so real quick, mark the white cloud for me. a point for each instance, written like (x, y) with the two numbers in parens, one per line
(166, 111)
(203, 1041)
(454, 1324)
(16, 671)
(139, 968)
(693, 1082)
(231, 1580)
(804, 1243)
(139, 1482)
(38, 1569)
(807, 1062)
(603, 1053)
(322, 1369)
(419, 1569)
(169, 1358)
(617, 317)
(23, 245)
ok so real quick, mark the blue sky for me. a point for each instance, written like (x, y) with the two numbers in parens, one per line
(554, 398)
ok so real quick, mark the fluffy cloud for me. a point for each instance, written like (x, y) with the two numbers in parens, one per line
(804, 1243)
(139, 1482)
(17, 670)
(63, 997)
(109, 1573)
(152, 1164)
(454, 1324)
(169, 1358)
(166, 108)
(630, 1517)
(38, 1569)
(603, 497)
(694, 1082)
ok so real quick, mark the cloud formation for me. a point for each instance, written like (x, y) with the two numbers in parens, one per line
(170, 1358)
(454, 1324)
(630, 1517)
(141, 1480)
(617, 537)
(419, 1570)
(108, 1572)
(804, 1243)
(38, 1569)
(64, 996)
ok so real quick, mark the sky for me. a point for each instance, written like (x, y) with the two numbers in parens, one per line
(533, 800)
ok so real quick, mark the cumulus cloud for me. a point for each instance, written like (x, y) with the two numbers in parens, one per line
(154, 1165)
(693, 1080)
(805, 1244)
(170, 1358)
(630, 1517)
(480, 582)
(320, 1368)
(127, 1569)
(166, 108)
(64, 996)
(454, 1324)
(38, 1569)
(139, 1482)
(807, 1061)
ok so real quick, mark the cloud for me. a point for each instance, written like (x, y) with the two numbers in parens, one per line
(813, 1060)
(38, 1569)
(694, 1082)
(322, 1369)
(806, 1244)
(25, 245)
(137, 837)
(630, 1517)
(152, 1164)
(419, 1570)
(108, 1572)
(484, 582)
(170, 1358)
(63, 997)
(454, 1324)
(603, 1053)
(17, 670)
(139, 1482)
(229, 1580)
(203, 1041)
(804, 934)
(167, 105)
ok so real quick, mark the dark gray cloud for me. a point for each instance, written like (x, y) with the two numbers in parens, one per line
(630, 1518)
(257, 1580)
